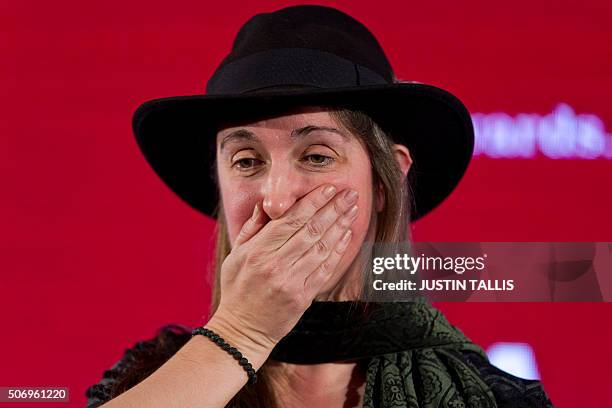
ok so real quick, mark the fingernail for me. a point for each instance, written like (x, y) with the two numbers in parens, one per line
(350, 196)
(255, 212)
(329, 191)
(346, 236)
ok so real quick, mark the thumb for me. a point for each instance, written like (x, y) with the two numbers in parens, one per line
(251, 226)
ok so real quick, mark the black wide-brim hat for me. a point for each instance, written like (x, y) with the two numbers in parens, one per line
(303, 56)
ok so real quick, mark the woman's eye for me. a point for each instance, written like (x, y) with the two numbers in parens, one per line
(246, 163)
(319, 160)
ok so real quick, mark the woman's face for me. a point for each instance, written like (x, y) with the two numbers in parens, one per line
(261, 162)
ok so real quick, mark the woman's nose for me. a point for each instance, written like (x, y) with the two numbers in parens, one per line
(280, 191)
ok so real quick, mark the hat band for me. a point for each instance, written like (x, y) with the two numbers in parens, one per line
(290, 66)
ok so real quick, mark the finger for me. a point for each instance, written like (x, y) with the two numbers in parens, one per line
(324, 272)
(251, 226)
(316, 256)
(278, 231)
(318, 225)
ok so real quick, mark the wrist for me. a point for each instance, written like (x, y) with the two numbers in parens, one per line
(255, 348)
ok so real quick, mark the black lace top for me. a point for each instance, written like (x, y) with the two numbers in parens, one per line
(169, 339)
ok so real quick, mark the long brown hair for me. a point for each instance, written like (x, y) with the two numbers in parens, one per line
(391, 226)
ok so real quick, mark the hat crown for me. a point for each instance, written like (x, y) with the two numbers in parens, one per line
(314, 38)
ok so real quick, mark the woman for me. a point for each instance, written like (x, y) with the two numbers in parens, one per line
(310, 144)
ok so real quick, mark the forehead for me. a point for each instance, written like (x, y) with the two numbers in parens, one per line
(299, 117)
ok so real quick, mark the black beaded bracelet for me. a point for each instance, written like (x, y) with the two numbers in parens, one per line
(233, 351)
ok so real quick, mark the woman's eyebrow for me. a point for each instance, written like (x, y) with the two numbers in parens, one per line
(240, 134)
(244, 134)
(301, 132)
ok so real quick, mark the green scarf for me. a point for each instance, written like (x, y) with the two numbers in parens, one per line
(413, 353)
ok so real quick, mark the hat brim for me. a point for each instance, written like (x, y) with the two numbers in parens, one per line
(177, 134)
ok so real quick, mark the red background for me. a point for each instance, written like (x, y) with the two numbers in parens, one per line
(96, 253)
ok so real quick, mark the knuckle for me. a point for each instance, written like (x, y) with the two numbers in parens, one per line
(293, 297)
(277, 289)
(298, 300)
(248, 257)
(257, 263)
(235, 257)
(321, 247)
(296, 221)
(339, 249)
(274, 268)
(344, 222)
(324, 268)
(285, 290)
(338, 207)
(275, 285)
(314, 228)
